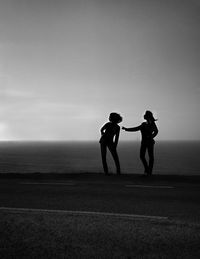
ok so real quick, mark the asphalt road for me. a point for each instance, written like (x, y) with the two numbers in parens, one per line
(125, 195)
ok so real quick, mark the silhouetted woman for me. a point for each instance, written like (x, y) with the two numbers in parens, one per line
(148, 130)
(109, 139)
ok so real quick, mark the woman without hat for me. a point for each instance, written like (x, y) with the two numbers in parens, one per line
(148, 131)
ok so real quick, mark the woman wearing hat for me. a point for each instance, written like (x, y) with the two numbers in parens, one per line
(109, 139)
(148, 131)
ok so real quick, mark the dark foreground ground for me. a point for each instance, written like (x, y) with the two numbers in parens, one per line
(94, 216)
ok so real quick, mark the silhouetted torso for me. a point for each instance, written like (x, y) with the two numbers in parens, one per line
(109, 131)
(147, 131)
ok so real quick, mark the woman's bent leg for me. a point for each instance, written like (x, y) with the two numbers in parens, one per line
(113, 151)
(103, 156)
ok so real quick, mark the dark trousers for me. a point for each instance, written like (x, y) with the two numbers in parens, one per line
(148, 166)
(113, 151)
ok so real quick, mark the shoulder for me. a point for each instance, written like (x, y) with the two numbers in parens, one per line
(107, 124)
(118, 127)
(115, 127)
(155, 126)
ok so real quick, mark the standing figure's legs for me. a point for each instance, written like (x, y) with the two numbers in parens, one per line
(103, 156)
(151, 157)
(142, 157)
(113, 151)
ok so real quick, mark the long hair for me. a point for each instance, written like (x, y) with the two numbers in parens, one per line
(149, 115)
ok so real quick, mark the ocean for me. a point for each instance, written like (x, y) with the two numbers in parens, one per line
(178, 158)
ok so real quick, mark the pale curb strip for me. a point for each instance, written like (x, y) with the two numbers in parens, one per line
(86, 213)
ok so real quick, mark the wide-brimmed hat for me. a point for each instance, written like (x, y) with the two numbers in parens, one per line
(115, 117)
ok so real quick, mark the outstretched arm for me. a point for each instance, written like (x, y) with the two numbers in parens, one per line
(132, 129)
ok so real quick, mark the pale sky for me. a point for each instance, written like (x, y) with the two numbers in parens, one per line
(66, 64)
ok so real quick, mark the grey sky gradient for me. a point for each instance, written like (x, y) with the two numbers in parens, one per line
(65, 65)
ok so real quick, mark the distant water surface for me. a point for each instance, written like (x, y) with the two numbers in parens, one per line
(77, 157)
